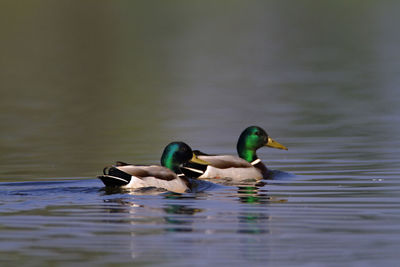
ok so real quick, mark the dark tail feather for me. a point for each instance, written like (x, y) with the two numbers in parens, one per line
(114, 177)
(112, 180)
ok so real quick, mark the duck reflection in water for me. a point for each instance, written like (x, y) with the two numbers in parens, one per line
(173, 217)
(254, 222)
(248, 223)
(252, 194)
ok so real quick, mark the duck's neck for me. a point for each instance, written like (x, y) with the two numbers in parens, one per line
(175, 169)
(171, 164)
(250, 155)
(245, 153)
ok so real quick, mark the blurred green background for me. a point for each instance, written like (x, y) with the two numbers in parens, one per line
(85, 83)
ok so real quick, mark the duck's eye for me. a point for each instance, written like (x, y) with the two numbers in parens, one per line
(257, 133)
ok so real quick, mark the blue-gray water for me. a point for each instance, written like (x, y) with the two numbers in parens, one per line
(89, 83)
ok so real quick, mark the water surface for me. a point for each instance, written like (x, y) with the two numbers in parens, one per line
(87, 84)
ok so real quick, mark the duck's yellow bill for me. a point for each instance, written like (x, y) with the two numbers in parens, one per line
(274, 144)
(195, 159)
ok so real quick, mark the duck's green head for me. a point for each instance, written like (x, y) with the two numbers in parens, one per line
(177, 153)
(251, 139)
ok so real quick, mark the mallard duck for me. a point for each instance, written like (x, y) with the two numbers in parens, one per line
(246, 166)
(168, 176)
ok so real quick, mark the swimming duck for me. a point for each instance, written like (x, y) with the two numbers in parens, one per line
(168, 176)
(246, 166)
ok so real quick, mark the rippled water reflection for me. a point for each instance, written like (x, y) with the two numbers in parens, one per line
(87, 84)
(284, 222)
